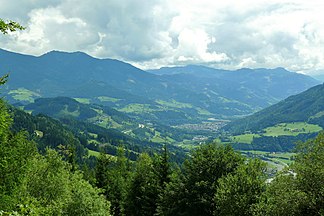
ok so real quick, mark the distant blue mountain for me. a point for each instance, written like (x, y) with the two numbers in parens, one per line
(256, 87)
(184, 93)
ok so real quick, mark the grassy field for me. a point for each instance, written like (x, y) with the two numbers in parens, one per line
(159, 139)
(283, 158)
(137, 108)
(93, 153)
(204, 112)
(173, 104)
(244, 138)
(291, 129)
(108, 99)
(288, 129)
(83, 100)
(22, 94)
(187, 145)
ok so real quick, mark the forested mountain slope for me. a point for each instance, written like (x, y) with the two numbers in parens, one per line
(193, 93)
(307, 106)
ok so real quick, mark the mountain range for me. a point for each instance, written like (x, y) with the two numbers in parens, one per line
(170, 95)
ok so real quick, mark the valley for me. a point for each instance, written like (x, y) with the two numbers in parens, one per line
(178, 106)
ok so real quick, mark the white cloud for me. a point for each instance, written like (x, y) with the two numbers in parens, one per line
(227, 34)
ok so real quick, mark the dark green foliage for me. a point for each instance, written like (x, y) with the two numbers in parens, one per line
(4, 79)
(143, 191)
(299, 189)
(109, 138)
(298, 108)
(275, 144)
(192, 192)
(54, 135)
(162, 167)
(60, 107)
(148, 182)
(113, 176)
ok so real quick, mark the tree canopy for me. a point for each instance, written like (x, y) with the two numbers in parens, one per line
(9, 26)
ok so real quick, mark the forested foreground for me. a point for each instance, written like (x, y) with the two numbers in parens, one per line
(214, 180)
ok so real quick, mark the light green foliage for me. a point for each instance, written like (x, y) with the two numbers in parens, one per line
(239, 191)
(15, 153)
(137, 108)
(56, 191)
(85, 199)
(22, 94)
(93, 153)
(108, 99)
(5, 122)
(291, 129)
(276, 157)
(83, 100)
(173, 104)
(202, 111)
(10, 26)
(244, 138)
(47, 182)
(281, 198)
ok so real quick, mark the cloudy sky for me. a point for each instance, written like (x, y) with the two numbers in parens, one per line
(154, 33)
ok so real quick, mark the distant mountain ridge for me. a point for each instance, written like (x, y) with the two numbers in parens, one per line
(198, 95)
(278, 81)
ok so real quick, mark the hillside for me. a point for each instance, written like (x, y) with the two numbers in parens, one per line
(104, 118)
(307, 107)
(81, 135)
(247, 85)
(170, 99)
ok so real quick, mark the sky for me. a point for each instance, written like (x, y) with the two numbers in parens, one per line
(157, 33)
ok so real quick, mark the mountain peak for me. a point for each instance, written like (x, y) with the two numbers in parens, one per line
(63, 53)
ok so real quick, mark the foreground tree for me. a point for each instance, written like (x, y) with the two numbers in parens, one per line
(238, 192)
(299, 189)
(55, 190)
(192, 191)
(142, 196)
(113, 177)
(15, 155)
(32, 184)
